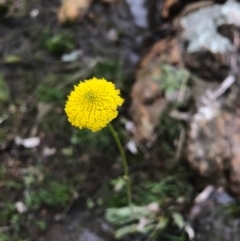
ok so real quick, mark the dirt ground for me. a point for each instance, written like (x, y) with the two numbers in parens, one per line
(179, 124)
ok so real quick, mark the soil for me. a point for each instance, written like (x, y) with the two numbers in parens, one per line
(56, 182)
(38, 82)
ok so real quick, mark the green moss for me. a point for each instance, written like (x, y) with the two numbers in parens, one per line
(232, 209)
(4, 237)
(49, 94)
(58, 44)
(112, 70)
(88, 140)
(51, 193)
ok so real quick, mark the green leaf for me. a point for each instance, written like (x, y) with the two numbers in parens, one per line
(11, 59)
(178, 219)
(124, 215)
(162, 224)
(131, 229)
(4, 90)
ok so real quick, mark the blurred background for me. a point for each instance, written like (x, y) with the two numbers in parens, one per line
(176, 63)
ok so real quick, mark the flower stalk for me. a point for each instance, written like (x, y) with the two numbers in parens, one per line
(124, 162)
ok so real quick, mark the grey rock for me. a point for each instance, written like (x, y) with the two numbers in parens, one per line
(201, 27)
(89, 236)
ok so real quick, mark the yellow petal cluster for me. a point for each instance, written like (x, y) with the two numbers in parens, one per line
(93, 104)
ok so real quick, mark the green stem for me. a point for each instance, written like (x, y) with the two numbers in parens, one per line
(124, 161)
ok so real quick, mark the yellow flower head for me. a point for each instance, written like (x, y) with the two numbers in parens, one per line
(93, 104)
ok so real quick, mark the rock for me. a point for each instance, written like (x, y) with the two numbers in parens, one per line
(202, 35)
(167, 5)
(148, 100)
(147, 104)
(213, 140)
(73, 10)
(168, 50)
(212, 218)
(203, 40)
(139, 12)
(86, 235)
(79, 226)
(212, 147)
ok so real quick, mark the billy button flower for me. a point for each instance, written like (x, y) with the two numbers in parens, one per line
(93, 104)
